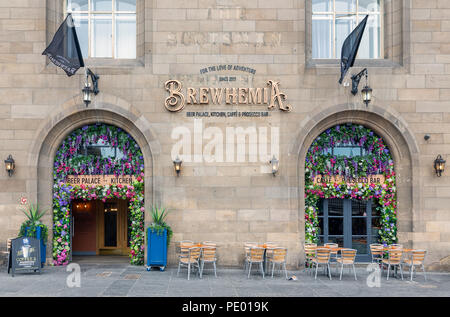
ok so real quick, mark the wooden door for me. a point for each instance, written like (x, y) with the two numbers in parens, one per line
(84, 227)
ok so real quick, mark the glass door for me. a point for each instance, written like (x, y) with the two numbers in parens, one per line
(349, 223)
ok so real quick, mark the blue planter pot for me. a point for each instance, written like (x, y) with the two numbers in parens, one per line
(43, 245)
(156, 249)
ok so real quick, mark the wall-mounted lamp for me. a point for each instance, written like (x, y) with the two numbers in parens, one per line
(366, 92)
(275, 165)
(87, 87)
(439, 165)
(177, 165)
(10, 165)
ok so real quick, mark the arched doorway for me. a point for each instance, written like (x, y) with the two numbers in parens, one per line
(98, 194)
(350, 189)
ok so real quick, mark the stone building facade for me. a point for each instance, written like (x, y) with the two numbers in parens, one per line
(255, 41)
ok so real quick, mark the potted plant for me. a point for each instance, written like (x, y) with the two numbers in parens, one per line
(159, 234)
(33, 227)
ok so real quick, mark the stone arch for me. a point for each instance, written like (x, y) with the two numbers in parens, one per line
(72, 115)
(388, 124)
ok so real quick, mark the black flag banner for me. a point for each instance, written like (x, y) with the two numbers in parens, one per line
(64, 50)
(350, 48)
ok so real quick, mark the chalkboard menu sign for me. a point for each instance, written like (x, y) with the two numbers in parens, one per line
(24, 255)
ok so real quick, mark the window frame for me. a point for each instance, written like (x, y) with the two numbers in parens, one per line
(357, 15)
(113, 13)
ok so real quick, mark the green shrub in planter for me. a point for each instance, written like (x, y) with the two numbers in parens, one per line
(29, 226)
(159, 215)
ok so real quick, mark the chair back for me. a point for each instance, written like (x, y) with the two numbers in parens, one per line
(209, 254)
(256, 254)
(184, 248)
(395, 256)
(271, 245)
(323, 255)
(348, 256)
(310, 249)
(248, 246)
(209, 243)
(194, 254)
(418, 256)
(279, 254)
(331, 245)
(376, 249)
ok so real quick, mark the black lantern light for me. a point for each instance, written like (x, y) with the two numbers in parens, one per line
(366, 92)
(87, 87)
(9, 165)
(439, 165)
(275, 165)
(177, 165)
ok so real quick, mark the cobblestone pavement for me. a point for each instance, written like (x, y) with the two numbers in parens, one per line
(126, 280)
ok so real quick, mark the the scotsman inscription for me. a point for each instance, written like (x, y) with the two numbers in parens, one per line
(100, 180)
(371, 179)
(270, 96)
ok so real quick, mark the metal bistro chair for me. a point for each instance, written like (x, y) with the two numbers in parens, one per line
(208, 256)
(322, 258)
(333, 253)
(376, 252)
(6, 253)
(256, 256)
(395, 259)
(191, 260)
(347, 258)
(310, 254)
(279, 257)
(269, 251)
(417, 259)
(247, 246)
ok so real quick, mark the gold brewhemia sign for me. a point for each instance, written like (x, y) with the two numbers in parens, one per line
(270, 96)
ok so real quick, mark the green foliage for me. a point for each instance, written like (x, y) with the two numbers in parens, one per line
(29, 226)
(159, 215)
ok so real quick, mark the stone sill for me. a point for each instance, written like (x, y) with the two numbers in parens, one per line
(113, 63)
(336, 63)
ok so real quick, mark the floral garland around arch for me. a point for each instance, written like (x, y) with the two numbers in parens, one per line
(377, 160)
(69, 160)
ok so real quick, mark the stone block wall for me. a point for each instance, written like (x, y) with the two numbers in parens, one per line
(239, 201)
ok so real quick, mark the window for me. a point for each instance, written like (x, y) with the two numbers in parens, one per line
(105, 28)
(101, 149)
(334, 20)
(347, 150)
